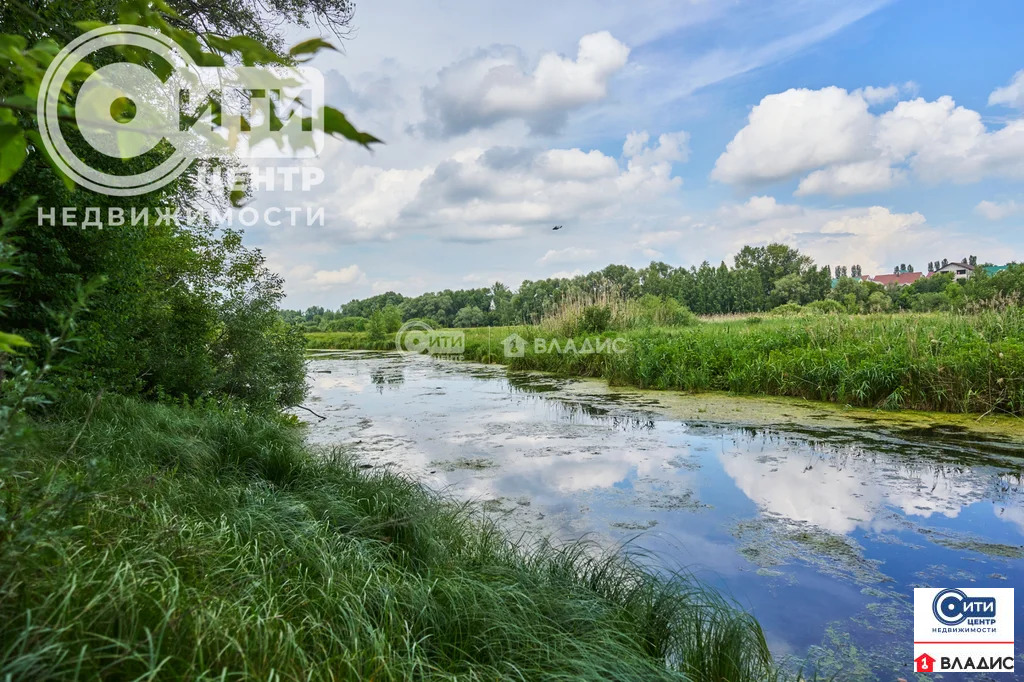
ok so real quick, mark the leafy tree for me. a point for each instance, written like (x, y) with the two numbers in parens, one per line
(772, 263)
(186, 310)
(790, 289)
(878, 302)
(391, 315)
(470, 316)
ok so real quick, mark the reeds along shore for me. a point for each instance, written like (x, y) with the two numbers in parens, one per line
(951, 362)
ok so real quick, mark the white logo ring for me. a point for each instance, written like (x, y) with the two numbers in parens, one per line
(49, 98)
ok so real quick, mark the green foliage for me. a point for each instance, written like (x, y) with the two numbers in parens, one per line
(391, 317)
(704, 290)
(158, 542)
(376, 329)
(945, 362)
(384, 323)
(790, 289)
(663, 311)
(187, 312)
(346, 324)
(826, 307)
(596, 319)
(930, 303)
(787, 309)
(470, 316)
(878, 302)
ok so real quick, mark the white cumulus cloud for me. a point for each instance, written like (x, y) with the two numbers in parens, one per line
(479, 194)
(874, 237)
(1011, 95)
(851, 178)
(796, 131)
(495, 85)
(831, 138)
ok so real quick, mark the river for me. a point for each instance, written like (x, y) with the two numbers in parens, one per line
(820, 528)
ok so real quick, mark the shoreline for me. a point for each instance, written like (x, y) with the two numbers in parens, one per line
(752, 410)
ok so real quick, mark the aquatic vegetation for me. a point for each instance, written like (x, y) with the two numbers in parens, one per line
(992, 549)
(939, 361)
(472, 463)
(771, 541)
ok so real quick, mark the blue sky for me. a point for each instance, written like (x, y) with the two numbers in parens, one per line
(873, 133)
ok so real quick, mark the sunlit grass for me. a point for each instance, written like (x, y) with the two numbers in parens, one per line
(157, 542)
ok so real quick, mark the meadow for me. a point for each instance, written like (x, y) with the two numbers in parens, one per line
(152, 541)
(950, 362)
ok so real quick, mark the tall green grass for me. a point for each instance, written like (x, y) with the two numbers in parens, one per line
(943, 361)
(160, 542)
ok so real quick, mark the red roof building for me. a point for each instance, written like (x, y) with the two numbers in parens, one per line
(903, 279)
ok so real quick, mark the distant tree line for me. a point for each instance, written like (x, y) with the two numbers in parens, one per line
(762, 278)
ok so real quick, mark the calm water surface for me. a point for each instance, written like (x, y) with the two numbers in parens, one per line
(822, 533)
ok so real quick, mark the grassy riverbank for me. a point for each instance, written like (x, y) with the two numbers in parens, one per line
(142, 541)
(941, 362)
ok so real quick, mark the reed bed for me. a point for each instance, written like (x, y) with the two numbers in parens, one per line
(951, 362)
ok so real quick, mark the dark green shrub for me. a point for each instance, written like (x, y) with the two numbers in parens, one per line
(826, 306)
(595, 319)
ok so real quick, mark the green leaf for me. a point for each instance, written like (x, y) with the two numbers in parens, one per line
(21, 102)
(12, 155)
(252, 51)
(7, 132)
(311, 46)
(12, 42)
(10, 342)
(335, 123)
(86, 26)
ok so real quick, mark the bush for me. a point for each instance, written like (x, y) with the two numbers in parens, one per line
(787, 309)
(929, 303)
(663, 312)
(595, 319)
(391, 318)
(879, 302)
(826, 307)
